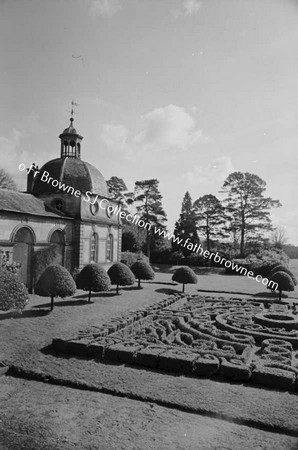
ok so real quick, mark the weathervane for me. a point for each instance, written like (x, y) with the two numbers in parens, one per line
(72, 112)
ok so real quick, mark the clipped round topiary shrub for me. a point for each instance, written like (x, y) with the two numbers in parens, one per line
(282, 268)
(185, 275)
(121, 275)
(142, 271)
(13, 293)
(93, 278)
(55, 281)
(284, 281)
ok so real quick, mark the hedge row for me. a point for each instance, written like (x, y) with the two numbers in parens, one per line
(274, 367)
(175, 360)
(116, 324)
(273, 377)
(275, 319)
(221, 357)
(259, 336)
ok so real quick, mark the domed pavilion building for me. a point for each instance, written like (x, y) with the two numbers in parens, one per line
(66, 205)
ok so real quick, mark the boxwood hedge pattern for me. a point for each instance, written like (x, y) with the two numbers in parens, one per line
(235, 339)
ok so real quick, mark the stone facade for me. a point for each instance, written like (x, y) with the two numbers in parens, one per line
(66, 205)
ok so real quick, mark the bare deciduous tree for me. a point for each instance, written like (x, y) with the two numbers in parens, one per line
(279, 237)
(6, 181)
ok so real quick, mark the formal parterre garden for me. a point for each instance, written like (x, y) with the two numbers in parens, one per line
(233, 339)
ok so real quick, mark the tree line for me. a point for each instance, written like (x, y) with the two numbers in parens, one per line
(243, 215)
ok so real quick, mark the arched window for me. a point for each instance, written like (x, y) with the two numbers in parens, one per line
(58, 241)
(94, 248)
(24, 235)
(57, 238)
(73, 147)
(65, 150)
(110, 243)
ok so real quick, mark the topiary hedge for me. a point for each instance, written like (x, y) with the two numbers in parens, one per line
(273, 377)
(121, 275)
(185, 275)
(206, 366)
(142, 271)
(284, 281)
(177, 361)
(234, 370)
(282, 268)
(93, 278)
(13, 293)
(55, 281)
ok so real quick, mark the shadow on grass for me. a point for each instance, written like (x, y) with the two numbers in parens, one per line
(201, 270)
(25, 314)
(95, 295)
(167, 291)
(274, 297)
(269, 295)
(159, 282)
(131, 288)
(62, 303)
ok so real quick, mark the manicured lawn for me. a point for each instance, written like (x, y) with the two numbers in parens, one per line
(38, 416)
(24, 340)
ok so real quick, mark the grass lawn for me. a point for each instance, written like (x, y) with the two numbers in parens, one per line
(24, 337)
(37, 416)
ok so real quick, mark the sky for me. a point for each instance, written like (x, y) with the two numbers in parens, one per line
(185, 91)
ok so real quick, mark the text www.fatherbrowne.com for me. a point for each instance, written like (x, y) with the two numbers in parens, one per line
(135, 219)
(195, 248)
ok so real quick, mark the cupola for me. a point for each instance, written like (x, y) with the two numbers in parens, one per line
(70, 142)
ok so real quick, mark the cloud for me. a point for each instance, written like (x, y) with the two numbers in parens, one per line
(104, 8)
(168, 127)
(216, 171)
(189, 7)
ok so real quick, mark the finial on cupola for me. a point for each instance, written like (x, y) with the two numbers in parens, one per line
(71, 138)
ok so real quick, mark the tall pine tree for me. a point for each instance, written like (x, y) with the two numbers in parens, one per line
(247, 206)
(185, 227)
(148, 202)
(118, 191)
(210, 218)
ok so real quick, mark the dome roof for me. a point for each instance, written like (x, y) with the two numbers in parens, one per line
(70, 129)
(72, 172)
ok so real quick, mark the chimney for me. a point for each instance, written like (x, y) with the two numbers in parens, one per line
(31, 173)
